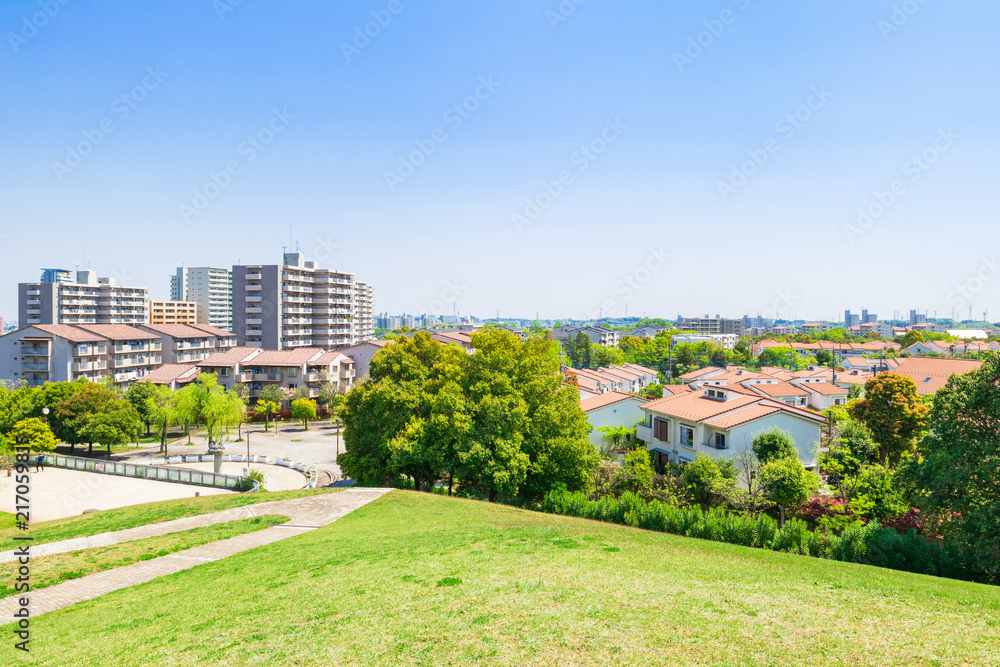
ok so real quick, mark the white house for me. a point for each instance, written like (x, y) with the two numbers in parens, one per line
(721, 421)
(613, 408)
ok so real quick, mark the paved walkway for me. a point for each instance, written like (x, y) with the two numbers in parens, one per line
(306, 514)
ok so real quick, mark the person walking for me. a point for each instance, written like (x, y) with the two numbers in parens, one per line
(39, 462)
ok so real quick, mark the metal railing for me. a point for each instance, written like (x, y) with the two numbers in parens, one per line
(138, 471)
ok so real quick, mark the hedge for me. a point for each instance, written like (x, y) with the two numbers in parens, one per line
(869, 544)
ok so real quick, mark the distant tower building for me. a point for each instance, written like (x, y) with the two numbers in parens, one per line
(917, 318)
(211, 289)
(56, 276)
(851, 320)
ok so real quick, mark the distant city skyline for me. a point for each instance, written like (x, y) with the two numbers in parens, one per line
(732, 157)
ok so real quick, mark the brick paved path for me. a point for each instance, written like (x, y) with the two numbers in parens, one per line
(306, 514)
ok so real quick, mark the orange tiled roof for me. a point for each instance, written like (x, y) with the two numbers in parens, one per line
(602, 400)
(743, 416)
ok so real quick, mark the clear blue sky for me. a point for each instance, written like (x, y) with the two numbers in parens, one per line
(678, 129)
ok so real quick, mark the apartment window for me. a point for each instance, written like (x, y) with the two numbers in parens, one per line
(720, 440)
(661, 430)
(687, 436)
(292, 372)
(224, 372)
(291, 386)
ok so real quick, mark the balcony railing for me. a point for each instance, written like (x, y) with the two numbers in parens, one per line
(35, 351)
(38, 367)
(714, 445)
(267, 377)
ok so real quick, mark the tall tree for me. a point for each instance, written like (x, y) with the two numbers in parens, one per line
(304, 409)
(72, 414)
(787, 483)
(117, 424)
(142, 396)
(957, 476)
(894, 413)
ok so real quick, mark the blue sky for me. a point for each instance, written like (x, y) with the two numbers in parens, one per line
(641, 219)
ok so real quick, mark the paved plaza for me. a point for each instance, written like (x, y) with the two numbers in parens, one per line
(57, 493)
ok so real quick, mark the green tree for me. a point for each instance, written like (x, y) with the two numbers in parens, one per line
(788, 484)
(956, 477)
(204, 402)
(272, 393)
(117, 424)
(268, 409)
(328, 393)
(142, 396)
(72, 414)
(636, 472)
(877, 494)
(304, 409)
(601, 355)
(772, 444)
(34, 434)
(581, 346)
(825, 358)
(707, 479)
(911, 337)
(894, 413)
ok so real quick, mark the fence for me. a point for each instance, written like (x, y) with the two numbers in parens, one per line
(139, 471)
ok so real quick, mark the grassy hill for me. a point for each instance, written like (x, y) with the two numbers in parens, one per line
(421, 579)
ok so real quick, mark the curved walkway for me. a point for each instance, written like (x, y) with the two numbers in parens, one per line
(305, 514)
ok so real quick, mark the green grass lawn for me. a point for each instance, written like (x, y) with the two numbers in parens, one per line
(140, 515)
(57, 568)
(418, 579)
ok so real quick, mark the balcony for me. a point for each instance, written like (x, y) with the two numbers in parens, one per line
(267, 377)
(35, 366)
(142, 347)
(35, 351)
(135, 361)
(254, 298)
(254, 320)
(243, 376)
(713, 445)
(89, 366)
(253, 276)
(254, 310)
(347, 374)
(644, 433)
(34, 292)
(34, 302)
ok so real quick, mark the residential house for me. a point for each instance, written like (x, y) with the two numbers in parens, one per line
(184, 344)
(43, 353)
(721, 421)
(932, 373)
(612, 409)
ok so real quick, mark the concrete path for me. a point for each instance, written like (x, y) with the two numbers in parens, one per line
(306, 514)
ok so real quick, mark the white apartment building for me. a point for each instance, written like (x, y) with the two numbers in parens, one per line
(292, 305)
(364, 324)
(90, 300)
(211, 289)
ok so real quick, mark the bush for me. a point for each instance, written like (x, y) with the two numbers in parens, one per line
(869, 544)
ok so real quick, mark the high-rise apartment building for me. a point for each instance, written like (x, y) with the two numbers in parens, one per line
(89, 300)
(211, 289)
(917, 318)
(868, 318)
(851, 319)
(295, 304)
(364, 325)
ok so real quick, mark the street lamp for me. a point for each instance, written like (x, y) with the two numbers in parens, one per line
(45, 411)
